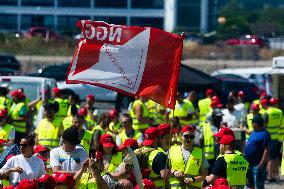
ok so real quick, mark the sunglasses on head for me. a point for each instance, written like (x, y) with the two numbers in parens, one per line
(189, 136)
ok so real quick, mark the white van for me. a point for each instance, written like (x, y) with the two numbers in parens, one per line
(260, 76)
(32, 85)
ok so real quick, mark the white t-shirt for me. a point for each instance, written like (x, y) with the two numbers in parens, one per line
(68, 161)
(33, 168)
(233, 119)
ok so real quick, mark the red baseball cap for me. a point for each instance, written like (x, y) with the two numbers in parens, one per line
(264, 102)
(209, 92)
(27, 184)
(148, 184)
(2, 141)
(164, 129)
(67, 179)
(214, 103)
(91, 97)
(263, 94)
(241, 93)
(113, 113)
(273, 101)
(254, 106)
(48, 180)
(40, 148)
(83, 111)
(224, 131)
(151, 135)
(227, 139)
(209, 187)
(107, 141)
(216, 98)
(55, 175)
(174, 130)
(3, 113)
(220, 181)
(18, 94)
(188, 128)
(132, 143)
(56, 90)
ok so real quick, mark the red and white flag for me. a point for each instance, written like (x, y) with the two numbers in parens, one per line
(132, 60)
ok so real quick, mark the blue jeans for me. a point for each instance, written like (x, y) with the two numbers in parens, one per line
(256, 177)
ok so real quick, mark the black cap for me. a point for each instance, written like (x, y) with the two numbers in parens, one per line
(217, 112)
(72, 135)
(257, 119)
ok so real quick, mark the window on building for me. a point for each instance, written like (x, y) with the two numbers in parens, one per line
(38, 3)
(151, 22)
(8, 2)
(67, 24)
(74, 3)
(28, 21)
(188, 16)
(8, 21)
(111, 3)
(112, 20)
(152, 4)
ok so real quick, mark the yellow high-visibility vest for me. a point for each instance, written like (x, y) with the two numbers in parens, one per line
(274, 121)
(190, 169)
(20, 126)
(136, 124)
(208, 142)
(48, 133)
(237, 168)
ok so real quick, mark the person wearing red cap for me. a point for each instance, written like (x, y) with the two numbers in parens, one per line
(188, 163)
(127, 131)
(46, 181)
(65, 181)
(165, 136)
(61, 103)
(157, 159)
(93, 114)
(241, 105)
(27, 184)
(5, 102)
(140, 115)
(112, 158)
(184, 110)
(49, 129)
(7, 131)
(206, 139)
(254, 110)
(114, 125)
(18, 115)
(24, 165)
(273, 120)
(204, 105)
(231, 166)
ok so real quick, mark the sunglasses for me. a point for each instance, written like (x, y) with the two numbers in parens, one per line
(189, 136)
(24, 145)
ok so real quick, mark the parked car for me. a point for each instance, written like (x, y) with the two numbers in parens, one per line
(43, 32)
(246, 40)
(9, 65)
(261, 77)
(32, 85)
(55, 71)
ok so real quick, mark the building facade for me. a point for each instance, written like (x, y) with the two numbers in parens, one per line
(61, 15)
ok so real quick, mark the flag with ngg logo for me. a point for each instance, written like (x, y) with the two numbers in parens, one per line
(135, 61)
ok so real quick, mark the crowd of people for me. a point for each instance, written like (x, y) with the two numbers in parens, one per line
(200, 144)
